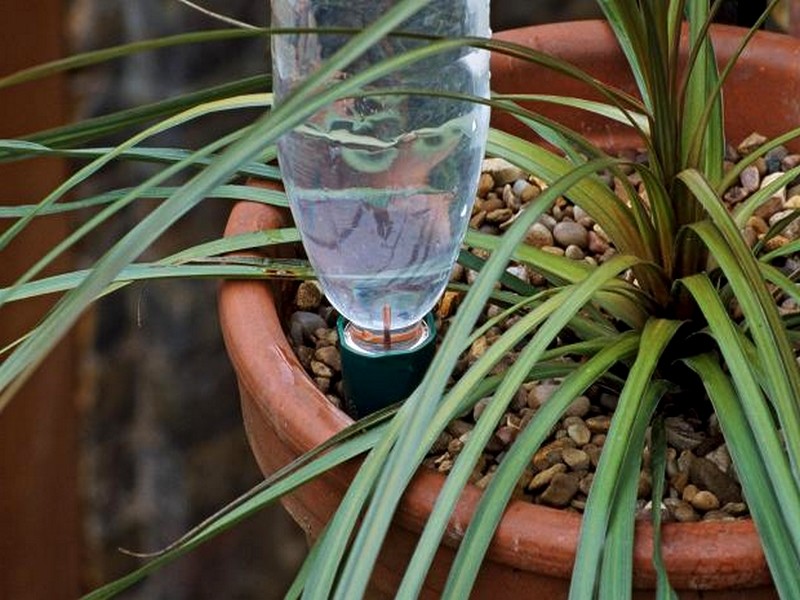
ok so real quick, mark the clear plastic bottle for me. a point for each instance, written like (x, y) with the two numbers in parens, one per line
(381, 187)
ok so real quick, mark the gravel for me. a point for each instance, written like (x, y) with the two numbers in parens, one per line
(701, 482)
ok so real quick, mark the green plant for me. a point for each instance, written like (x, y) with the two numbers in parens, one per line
(685, 251)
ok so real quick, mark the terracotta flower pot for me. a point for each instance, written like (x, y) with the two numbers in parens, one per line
(534, 548)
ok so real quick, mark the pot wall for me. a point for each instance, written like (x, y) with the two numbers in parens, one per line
(533, 550)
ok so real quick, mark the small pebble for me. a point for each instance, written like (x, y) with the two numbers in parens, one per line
(705, 501)
(561, 490)
(550, 454)
(579, 407)
(579, 433)
(502, 171)
(575, 459)
(750, 143)
(302, 326)
(750, 179)
(539, 236)
(320, 369)
(329, 355)
(599, 424)
(573, 252)
(544, 478)
(485, 184)
(568, 233)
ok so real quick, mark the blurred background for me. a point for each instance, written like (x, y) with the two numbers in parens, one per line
(132, 432)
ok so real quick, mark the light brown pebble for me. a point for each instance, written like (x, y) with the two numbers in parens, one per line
(320, 369)
(705, 501)
(689, 492)
(538, 236)
(599, 424)
(579, 407)
(455, 446)
(750, 236)
(775, 242)
(326, 337)
(478, 348)
(478, 219)
(737, 509)
(323, 384)
(484, 481)
(553, 250)
(444, 465)
(575, 459)
(448, 304)
(330, 356)
(544, 478)
(579, 433)
(681, 511)
(529, 192)
(766, 209)
(561, 490)
(578, 504)
(758, 224)
(550, 454)
(750, 143)
(718, 515)
(593, 452)
(499, 216)
(308, 296)
(485, 184)
(598, 439)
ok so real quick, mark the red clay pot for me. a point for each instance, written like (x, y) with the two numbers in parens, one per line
(534, 548)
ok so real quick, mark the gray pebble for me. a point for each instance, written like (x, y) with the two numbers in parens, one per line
(569, 233)
(750, 179)
(302, 326)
